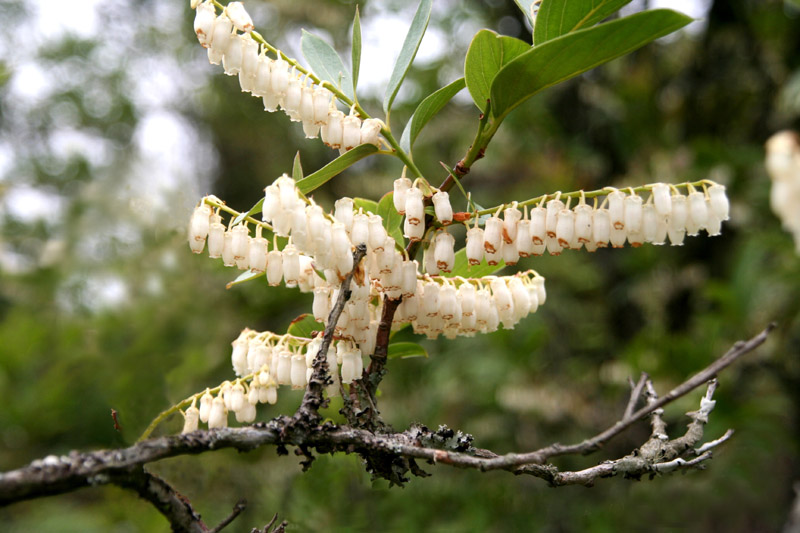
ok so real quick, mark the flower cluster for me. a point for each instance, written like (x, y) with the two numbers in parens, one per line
(783, 165)
(275, 81)
(553, 225)
(458, 306)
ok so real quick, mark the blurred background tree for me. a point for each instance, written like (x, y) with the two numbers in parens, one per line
(112, 125)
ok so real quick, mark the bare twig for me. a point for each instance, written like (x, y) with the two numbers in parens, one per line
(237, 509)
(312, 399)
(636, 394)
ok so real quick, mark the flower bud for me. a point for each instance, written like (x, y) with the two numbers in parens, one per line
(205, 406)
(190, 419)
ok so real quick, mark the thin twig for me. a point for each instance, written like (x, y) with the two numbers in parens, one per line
(636, 394)
(240, 506)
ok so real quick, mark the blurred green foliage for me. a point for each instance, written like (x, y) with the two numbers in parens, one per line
(102, 306)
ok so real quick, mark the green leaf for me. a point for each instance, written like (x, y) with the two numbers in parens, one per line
(355, 58)
(525, 7)
(349, 158)
(461, 267)
(487, 54)
(297, 168)
(425, 111)
(405, 350)
(392, 220)
(253, 210)
(304, 326)
(572, 54)
(243, 277)
(325, 62)
(407, 53)
(369, 206)
(559, 17)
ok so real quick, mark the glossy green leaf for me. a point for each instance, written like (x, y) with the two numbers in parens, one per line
(392, 220)
(304, 326)
(297, 168)
(569, 55)
(245, 276)
(487, 54)
(355, 58)
(253, 210)
(462, 268)
(525, 7)
(426, 110)
(335, 167)
(325, 62)
(369, 206)
(559, 17)
(407, 53)
(405, 350)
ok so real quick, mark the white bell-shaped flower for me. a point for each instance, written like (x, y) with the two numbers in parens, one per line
(430, 299)
(351, 132)
(698, 211)
(401, 187)
(298, 371)
(258, 254)
(274, 267)
(232, 57)
(279, 78)
(332, 132)
(467, 295)
(510, 253)
(293, 97)
(284, 373)
(649, 222)
(493, 235)
(204, 19)
(616, 209)
(220, 38)
(632, 213)
(617, 236)
(190, 419)
(343, 212)
(227, 250)
(662, 200)
(442, 208)
(216, 238)
(240, 244)
(565, 227)
(538, 225)
(370, 129)
(359, 233)
(247, 74)
(475, 248)
(199, 227)
(444, 253)
(679, 213)
(523, 240)
(554, 207)
(720, 206)
(322, 102)
(449, 308)
(291, 265)
(511, 216)
(218, 415)
(408, 283)
(415, 207)
(538, 282)
(601, 227)
(239, 16)
(583, 223)
(262, 85)
(205, 406)
(553, 246)
(377, 233)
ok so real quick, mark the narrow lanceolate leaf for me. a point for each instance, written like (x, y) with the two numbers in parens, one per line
(525, 7)
(366, 205)
(574, 53)
(243, 277)
(253, 210)
(392, 220)
(314, 180)
(325, 62)
(405, 350)
(297, 168)
(426, 110)
(304, 326)
(356, 49)
(407, 53)
(559, 17)
(487, 54)
(461, 267)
